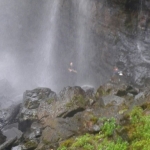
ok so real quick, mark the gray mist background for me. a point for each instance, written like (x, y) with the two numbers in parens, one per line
(38, 40)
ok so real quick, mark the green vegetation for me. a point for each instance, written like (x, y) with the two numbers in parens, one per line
(139, 130)
(31, 145)
(109, 127)
(111, 136)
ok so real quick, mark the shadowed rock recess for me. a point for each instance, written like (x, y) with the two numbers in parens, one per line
(96, 35)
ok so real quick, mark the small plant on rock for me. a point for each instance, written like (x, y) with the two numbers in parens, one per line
(109, 127)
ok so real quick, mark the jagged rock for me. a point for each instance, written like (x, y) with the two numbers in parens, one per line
(32, 98)
(120, 89)
(89, 90)
(35, 134)
(111, 100)
(71, 114)
(139, 96)
(71, 100)
(36, 130)
(31, 102)
(12, 133)
(60, 129)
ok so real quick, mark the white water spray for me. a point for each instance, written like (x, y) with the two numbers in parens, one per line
(143, 51)
(47, 65)
(83, 41)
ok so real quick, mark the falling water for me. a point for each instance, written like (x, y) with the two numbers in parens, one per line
(46, 64)
(143, 39)
(84, 40)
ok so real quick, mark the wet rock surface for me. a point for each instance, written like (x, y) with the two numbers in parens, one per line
(117, 34)
(9, 115)
(69, 113)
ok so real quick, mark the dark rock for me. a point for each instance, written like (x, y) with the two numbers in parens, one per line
(24, 125)
(89, 90)
(32, 100)
(35, 134)
(36, 130)
(71, 100)
(2, 138)
(121, 93)
(7, 143)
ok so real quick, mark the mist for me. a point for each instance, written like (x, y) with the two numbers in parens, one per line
(38, 41)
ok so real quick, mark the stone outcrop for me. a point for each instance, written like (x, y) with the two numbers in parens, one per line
(47, 118)
(31, 102)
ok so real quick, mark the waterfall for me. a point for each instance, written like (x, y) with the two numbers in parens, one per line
(84, 40)
(47, 64)
(143, 39)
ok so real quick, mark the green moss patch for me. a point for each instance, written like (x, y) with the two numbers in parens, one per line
(78, 100)
(134, 135)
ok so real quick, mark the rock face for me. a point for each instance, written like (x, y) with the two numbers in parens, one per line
(47, 118)
(59, 118)
(55, 117)
(31, 102)
(111, 100)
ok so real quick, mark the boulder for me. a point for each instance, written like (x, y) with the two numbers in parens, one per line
(31, 99)
(139, 96)
(31, 103)
(35, 131)
(70, 101)
(111, 100)
(120, 89)
(89, 90)
(12, 133)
